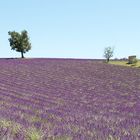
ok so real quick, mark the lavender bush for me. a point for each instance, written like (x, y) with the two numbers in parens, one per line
(59, 99)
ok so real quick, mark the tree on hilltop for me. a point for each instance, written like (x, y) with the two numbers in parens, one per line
(108, 53)
(20, 42)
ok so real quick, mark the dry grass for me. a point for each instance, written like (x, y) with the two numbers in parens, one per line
(125, 63)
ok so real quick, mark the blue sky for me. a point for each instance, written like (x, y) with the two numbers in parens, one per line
(72, 28)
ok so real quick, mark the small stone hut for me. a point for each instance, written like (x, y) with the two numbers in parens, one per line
(132, 59)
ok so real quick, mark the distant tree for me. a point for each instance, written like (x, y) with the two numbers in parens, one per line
(20, 42)
(108, 53)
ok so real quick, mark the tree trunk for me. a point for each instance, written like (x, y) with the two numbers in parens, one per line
(107, 60)
(22, 56)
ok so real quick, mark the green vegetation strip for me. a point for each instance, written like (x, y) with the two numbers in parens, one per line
(125, 63)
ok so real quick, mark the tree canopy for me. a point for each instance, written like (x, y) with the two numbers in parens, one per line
(108, 53)
(20, 42)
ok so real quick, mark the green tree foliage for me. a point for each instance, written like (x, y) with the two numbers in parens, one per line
(108, 53)
(20, 42)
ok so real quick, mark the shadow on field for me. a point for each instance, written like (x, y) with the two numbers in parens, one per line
(9, 58)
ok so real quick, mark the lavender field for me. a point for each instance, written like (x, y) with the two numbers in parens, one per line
(63, 99)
